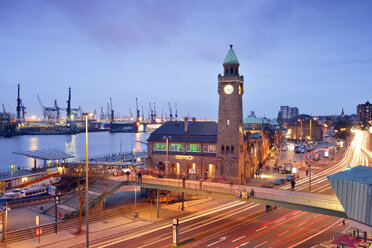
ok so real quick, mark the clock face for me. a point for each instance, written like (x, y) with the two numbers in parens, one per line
(240, 89)
(228, 89)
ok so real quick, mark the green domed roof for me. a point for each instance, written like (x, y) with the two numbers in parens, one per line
(231, 57)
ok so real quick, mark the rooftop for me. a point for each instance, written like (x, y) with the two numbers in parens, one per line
(252, 119)
(45, 154)
(231, 57)
(361, 174)
(198, 131)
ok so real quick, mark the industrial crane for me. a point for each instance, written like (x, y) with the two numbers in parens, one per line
(176, 115)
(48, 112)
(154, 111)
(19, 102)
(137, 110)
(170, 112)
(102, 116)
(151, 114)
(58, 110)
(111, 112)
(131, 114)
(143, 116)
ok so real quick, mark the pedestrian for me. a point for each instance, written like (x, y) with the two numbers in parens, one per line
(307, 172)
(140, 177)
(201, 181)
(128, 175)
(184, 181)
(293, 185)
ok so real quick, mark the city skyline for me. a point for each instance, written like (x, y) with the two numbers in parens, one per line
(312, 55)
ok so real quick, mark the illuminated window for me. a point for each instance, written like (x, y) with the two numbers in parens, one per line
(228, 123)
(176, 147)
(193, 147)
(209, 148)
(160, 147)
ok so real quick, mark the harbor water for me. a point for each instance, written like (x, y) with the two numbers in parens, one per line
(99, 143)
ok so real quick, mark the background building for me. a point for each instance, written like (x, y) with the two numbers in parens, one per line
(288, 112)
(294, 128)
(364, 113)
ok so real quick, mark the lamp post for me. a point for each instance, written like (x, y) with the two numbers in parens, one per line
(86, 177)
(166, 153)
(310, 157)
(301, 140)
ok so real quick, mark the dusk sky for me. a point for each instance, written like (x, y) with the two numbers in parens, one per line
(316, 55)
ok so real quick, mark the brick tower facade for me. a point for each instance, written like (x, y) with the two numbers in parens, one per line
(230, 139)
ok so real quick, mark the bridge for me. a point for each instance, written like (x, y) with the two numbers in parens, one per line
(310, 202)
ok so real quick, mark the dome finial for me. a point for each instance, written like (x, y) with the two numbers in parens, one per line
(231, 57)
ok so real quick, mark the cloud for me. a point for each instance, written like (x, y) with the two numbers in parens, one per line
(125, 24)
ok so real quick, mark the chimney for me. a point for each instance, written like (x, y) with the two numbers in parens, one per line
(186, 124)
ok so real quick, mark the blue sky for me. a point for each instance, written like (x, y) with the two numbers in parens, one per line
(315, 55)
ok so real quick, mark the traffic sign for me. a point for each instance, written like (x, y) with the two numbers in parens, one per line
(52, 190)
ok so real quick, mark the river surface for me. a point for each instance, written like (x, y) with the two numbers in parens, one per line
(99, 143)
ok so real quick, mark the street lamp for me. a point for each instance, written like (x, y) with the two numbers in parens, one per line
(301, 140)
(311, 139)
(166, 153)
(86, 176)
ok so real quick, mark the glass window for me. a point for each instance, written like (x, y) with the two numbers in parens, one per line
(228, 123)
(176, 147)
(205, 148)
(160, 147)
(193, 147)
(232, 149)
(222, 149)
(227, 149)
(210, 148)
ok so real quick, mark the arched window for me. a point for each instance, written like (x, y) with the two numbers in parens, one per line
(231, 70)
(227, 71)
(222, 149)
(227, 149)
(232, 149)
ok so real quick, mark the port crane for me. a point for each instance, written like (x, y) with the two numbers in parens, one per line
(143, 116)
(170, 112)
(176, 115)
(137, 110)
(111, 112)
(20, 107)
(48, 112)
(53, 114)
(131, 114)
(151, 114)
(154, 111)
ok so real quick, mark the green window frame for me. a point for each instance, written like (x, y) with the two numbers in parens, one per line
(176, 147)
(160, 147)
(193, 147)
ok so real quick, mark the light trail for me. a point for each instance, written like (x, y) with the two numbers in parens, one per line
(356, 154)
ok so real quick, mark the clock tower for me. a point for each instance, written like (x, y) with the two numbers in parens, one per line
(230, 140)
